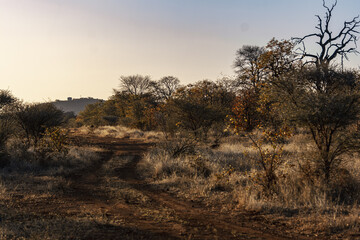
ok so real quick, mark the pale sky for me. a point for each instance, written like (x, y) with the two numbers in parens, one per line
(54, 49)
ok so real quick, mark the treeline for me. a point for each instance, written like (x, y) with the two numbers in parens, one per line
(279, 89)
(164, 105)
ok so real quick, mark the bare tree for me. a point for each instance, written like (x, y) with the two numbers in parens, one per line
(323, 98)
(166, 86)
(230, 84)
(331, 44)
(135, 84)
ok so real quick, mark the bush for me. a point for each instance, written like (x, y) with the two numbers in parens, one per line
(55, 139)
(6, 123)
(180, 145)
(196, 108)
(34, 119)
(6, 129)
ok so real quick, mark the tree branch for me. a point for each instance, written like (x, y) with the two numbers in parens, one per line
(331, 45)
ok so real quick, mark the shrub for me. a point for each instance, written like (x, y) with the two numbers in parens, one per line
(196, 108)
(55, 139)
(6, 100)
(6, 129)
(34, 119)
(180, 145)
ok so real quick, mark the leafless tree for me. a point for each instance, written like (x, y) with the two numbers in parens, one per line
(135, 84)
(230, 84)
(166, 86)
(331, 44)
(323, 98)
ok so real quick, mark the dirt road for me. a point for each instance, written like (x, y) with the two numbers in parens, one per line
(109, 200)
(158, 214)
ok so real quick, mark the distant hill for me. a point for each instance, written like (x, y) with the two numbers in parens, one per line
(75, 105)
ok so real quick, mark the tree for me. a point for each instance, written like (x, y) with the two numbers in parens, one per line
(277, 61)
(251, 76)
(5, 98)
(256, 108)
(136, 110)
(245, 110)
(269, 138)
(196, 108)
(166, 86)
(326, 113)
(6, 118)
(92, 115)
(229, 84)
(331, 44)
(323, 98)
(247, 66)
(135, 84)
(278, 58)
(34, 119)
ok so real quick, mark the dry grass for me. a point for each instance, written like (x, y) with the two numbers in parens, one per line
(28, 160)
(119, 132)
(37, 199)
(28, 183)
(226, 177)
(222, 178)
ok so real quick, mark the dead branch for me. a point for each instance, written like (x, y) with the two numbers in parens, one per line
(331, 45)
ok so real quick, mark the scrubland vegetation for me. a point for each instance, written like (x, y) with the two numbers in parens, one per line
(281, 138)
(36, 160)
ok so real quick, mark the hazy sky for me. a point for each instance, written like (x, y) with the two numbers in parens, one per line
(54, 49)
